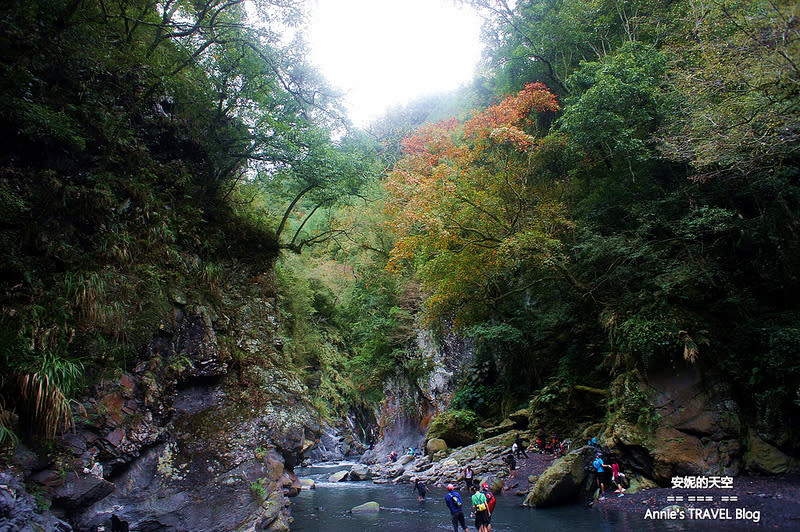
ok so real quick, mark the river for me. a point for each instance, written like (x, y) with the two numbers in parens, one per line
(326, 508)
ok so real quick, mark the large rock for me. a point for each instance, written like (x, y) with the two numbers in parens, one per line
(360, 472)
(367, 507)
(563, 481)
(694, 426)
(81, 490)
(435, 445)
(339, 476)
(456, 427)
(763, 458)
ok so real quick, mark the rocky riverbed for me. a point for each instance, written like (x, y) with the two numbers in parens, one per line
(762, 501)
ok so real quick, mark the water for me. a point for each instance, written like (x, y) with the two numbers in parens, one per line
(326, 508)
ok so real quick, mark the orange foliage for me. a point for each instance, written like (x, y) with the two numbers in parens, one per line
(466, 203)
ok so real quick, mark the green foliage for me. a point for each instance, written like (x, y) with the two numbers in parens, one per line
(633, 404)
(617, 103)
(259, 490)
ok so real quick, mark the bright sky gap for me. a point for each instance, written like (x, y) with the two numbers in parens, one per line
(385, 53)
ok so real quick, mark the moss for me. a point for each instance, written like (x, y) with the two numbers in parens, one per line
(456, 427)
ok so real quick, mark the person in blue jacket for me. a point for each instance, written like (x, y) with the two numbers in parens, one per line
(454, 503)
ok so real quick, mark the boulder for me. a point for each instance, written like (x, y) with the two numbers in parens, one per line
(763, 458)
(405, 459)
(339, 476)
(435, 445)
(562, 482)
(637, 483)
(360, 472)
(367, 507)
(79, 491)
(456, 427)
(308, 483)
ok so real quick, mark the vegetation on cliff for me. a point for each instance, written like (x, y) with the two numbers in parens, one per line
(151, 148)
(643, 218)
(623, 198)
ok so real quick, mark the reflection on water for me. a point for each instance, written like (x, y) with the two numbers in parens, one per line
(326, 508)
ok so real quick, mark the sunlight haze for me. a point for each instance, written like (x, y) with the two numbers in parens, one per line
(386, 53)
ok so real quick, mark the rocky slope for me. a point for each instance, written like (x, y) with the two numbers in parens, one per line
(201, 433)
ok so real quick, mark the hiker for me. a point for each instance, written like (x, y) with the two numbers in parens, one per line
(511, 461)
(520, 447)
(490, 502)
(393, 456)
(600, 473)
(480, 510)
(617, 477)
(419, 487)
(467, 476)
(453, 501)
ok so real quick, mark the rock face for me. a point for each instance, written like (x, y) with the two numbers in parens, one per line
(562, 482)
(763, 458)
(202, 434)
(698, 429)
(400, 428)
(19, 511)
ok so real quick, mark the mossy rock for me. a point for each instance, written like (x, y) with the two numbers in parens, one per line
(763, 458)
(435, 445)
(455, 427)
(638, 483)
(562, 482)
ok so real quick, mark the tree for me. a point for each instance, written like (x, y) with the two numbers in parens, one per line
(739, 82)
(469, 204)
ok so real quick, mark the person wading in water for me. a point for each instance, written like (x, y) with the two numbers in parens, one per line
(453, 501)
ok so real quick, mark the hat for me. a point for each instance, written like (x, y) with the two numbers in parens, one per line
(599, 455)
(451, 487)
(485, 486)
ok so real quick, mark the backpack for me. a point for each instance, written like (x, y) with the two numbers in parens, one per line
(456, 499)
(490, 500)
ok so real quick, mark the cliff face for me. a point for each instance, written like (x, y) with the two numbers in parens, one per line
(408, 408)
(201, 433)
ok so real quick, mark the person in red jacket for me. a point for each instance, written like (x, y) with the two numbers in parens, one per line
(490, 502)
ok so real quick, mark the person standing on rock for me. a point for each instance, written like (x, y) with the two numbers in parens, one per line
(454, 503)
(468, 475)
(480, 509)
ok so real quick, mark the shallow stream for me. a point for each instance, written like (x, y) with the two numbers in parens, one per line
(326, 508)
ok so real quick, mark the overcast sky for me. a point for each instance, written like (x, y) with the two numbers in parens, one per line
(387, 52)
